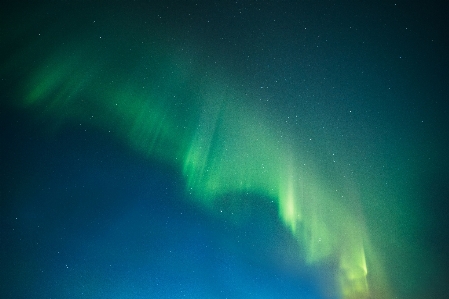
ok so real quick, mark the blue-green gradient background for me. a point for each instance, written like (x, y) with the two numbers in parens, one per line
(224, 149)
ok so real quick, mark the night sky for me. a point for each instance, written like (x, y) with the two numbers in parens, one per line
(224, 149)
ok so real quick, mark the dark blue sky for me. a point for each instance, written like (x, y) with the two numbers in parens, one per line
(97, 221)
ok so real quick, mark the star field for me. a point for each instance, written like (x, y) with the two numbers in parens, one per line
(214, 149)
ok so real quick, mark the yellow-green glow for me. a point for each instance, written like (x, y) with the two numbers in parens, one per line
(288, 208)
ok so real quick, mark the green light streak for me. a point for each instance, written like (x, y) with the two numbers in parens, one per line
(202, 126)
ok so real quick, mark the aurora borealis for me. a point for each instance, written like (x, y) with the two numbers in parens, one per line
(201, 149)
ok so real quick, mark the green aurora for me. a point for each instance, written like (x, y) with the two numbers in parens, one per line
(171, 106)
(221, 146)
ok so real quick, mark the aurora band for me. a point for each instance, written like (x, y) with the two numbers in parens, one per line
(193, 117)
